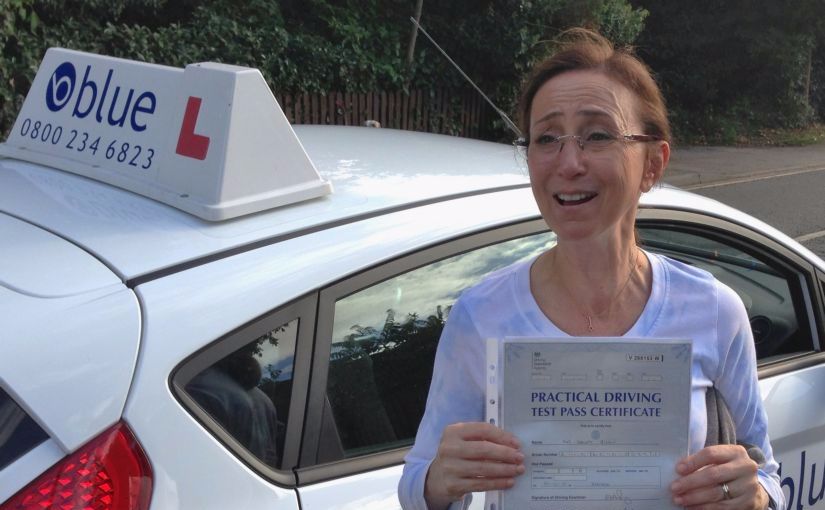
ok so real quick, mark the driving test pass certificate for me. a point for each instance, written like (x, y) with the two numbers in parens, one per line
(601, 421)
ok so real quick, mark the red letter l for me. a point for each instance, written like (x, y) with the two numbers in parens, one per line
(190, 144)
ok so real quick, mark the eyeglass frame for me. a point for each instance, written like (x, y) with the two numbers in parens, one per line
(524, 143)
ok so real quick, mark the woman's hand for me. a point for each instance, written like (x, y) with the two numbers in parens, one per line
(472, 457)
(705, 475)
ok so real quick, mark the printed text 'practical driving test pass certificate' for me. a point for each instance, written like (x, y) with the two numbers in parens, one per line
(602, 421)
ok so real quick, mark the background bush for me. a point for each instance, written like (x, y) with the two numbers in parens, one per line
(727, 68)
(307, 45)
(731, 68)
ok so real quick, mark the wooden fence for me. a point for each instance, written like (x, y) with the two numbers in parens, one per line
(462, 113)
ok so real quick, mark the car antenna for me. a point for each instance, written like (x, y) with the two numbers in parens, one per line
(510, 124)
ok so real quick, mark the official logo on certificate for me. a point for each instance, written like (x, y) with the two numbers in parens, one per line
(602, 421)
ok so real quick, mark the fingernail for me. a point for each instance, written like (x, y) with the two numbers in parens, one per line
(520, 457)
(678, 500)
(520, 469)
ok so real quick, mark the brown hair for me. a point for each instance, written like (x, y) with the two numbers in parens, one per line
(585, 49)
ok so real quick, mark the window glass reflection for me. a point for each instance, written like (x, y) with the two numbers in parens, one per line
(248, 391)
(384, 342)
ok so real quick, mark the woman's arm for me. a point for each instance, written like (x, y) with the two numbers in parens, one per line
(704, 473)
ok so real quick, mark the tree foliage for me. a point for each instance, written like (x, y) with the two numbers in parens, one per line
(498, 42)
(307, 45)
(19, 32)
(729, 67)
(725, 67)
(379, 378)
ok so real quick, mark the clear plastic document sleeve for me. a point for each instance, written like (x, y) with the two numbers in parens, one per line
(601, 421)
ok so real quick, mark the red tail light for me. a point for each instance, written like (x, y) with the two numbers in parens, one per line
(110, 472)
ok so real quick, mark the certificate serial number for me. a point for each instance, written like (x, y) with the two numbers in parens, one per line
(660, 358)
(123, 152)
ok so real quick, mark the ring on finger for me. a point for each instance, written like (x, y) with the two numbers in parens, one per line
(726, 491)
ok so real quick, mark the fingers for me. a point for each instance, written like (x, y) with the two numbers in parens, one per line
(473, 457)
(703, 474)
(477, 471)
(453, 488)
(713, 465)
(710, 456)
(710, 495)
(468, 441)
(743, 495)
(481, 432)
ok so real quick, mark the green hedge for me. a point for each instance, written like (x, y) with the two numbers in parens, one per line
(307, 45)
(726, 68)
(732, 68)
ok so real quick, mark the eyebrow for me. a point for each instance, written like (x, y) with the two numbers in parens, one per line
(580, 113)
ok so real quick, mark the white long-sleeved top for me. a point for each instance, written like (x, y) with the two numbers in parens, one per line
(685, 302)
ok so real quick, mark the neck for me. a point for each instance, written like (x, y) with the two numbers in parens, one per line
(592, 272)
(602, 291)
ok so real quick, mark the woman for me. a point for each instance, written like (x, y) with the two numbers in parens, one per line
(596, 138)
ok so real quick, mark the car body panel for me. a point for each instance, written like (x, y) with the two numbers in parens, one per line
(70, 319)
(28, 267)
(83, 348)
(210, 478)
(797, 429)
(376, 490)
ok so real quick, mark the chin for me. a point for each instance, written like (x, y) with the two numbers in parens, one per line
(573, 233)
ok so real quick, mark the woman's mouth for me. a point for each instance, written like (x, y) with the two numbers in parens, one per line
(573, 198)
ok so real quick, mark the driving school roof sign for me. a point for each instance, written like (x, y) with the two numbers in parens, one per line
(209, 139)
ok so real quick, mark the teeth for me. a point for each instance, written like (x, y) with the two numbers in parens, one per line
(570, 197)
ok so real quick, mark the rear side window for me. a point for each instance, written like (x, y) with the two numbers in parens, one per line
(243, 391)
(18, 431)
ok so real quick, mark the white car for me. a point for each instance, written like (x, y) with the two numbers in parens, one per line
(237, 315)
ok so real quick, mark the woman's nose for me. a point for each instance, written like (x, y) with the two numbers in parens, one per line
(570, 159)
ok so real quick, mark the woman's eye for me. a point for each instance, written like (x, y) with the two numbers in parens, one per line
(599, 136)
(546, 139)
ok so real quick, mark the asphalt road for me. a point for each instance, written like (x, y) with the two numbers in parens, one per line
(784, 187)
(795, 204)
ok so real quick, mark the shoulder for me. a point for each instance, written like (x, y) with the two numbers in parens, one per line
(688, 279)
(709, 304)
(681, 273)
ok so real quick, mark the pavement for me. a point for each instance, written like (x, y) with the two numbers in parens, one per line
(698, 167)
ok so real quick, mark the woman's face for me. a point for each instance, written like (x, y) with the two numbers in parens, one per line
(590, 193)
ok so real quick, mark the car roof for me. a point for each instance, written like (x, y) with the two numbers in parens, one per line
(372, 171)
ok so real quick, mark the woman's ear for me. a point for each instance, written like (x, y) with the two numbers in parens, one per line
(657, 160)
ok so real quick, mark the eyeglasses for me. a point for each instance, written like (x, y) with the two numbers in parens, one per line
(592, 143)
